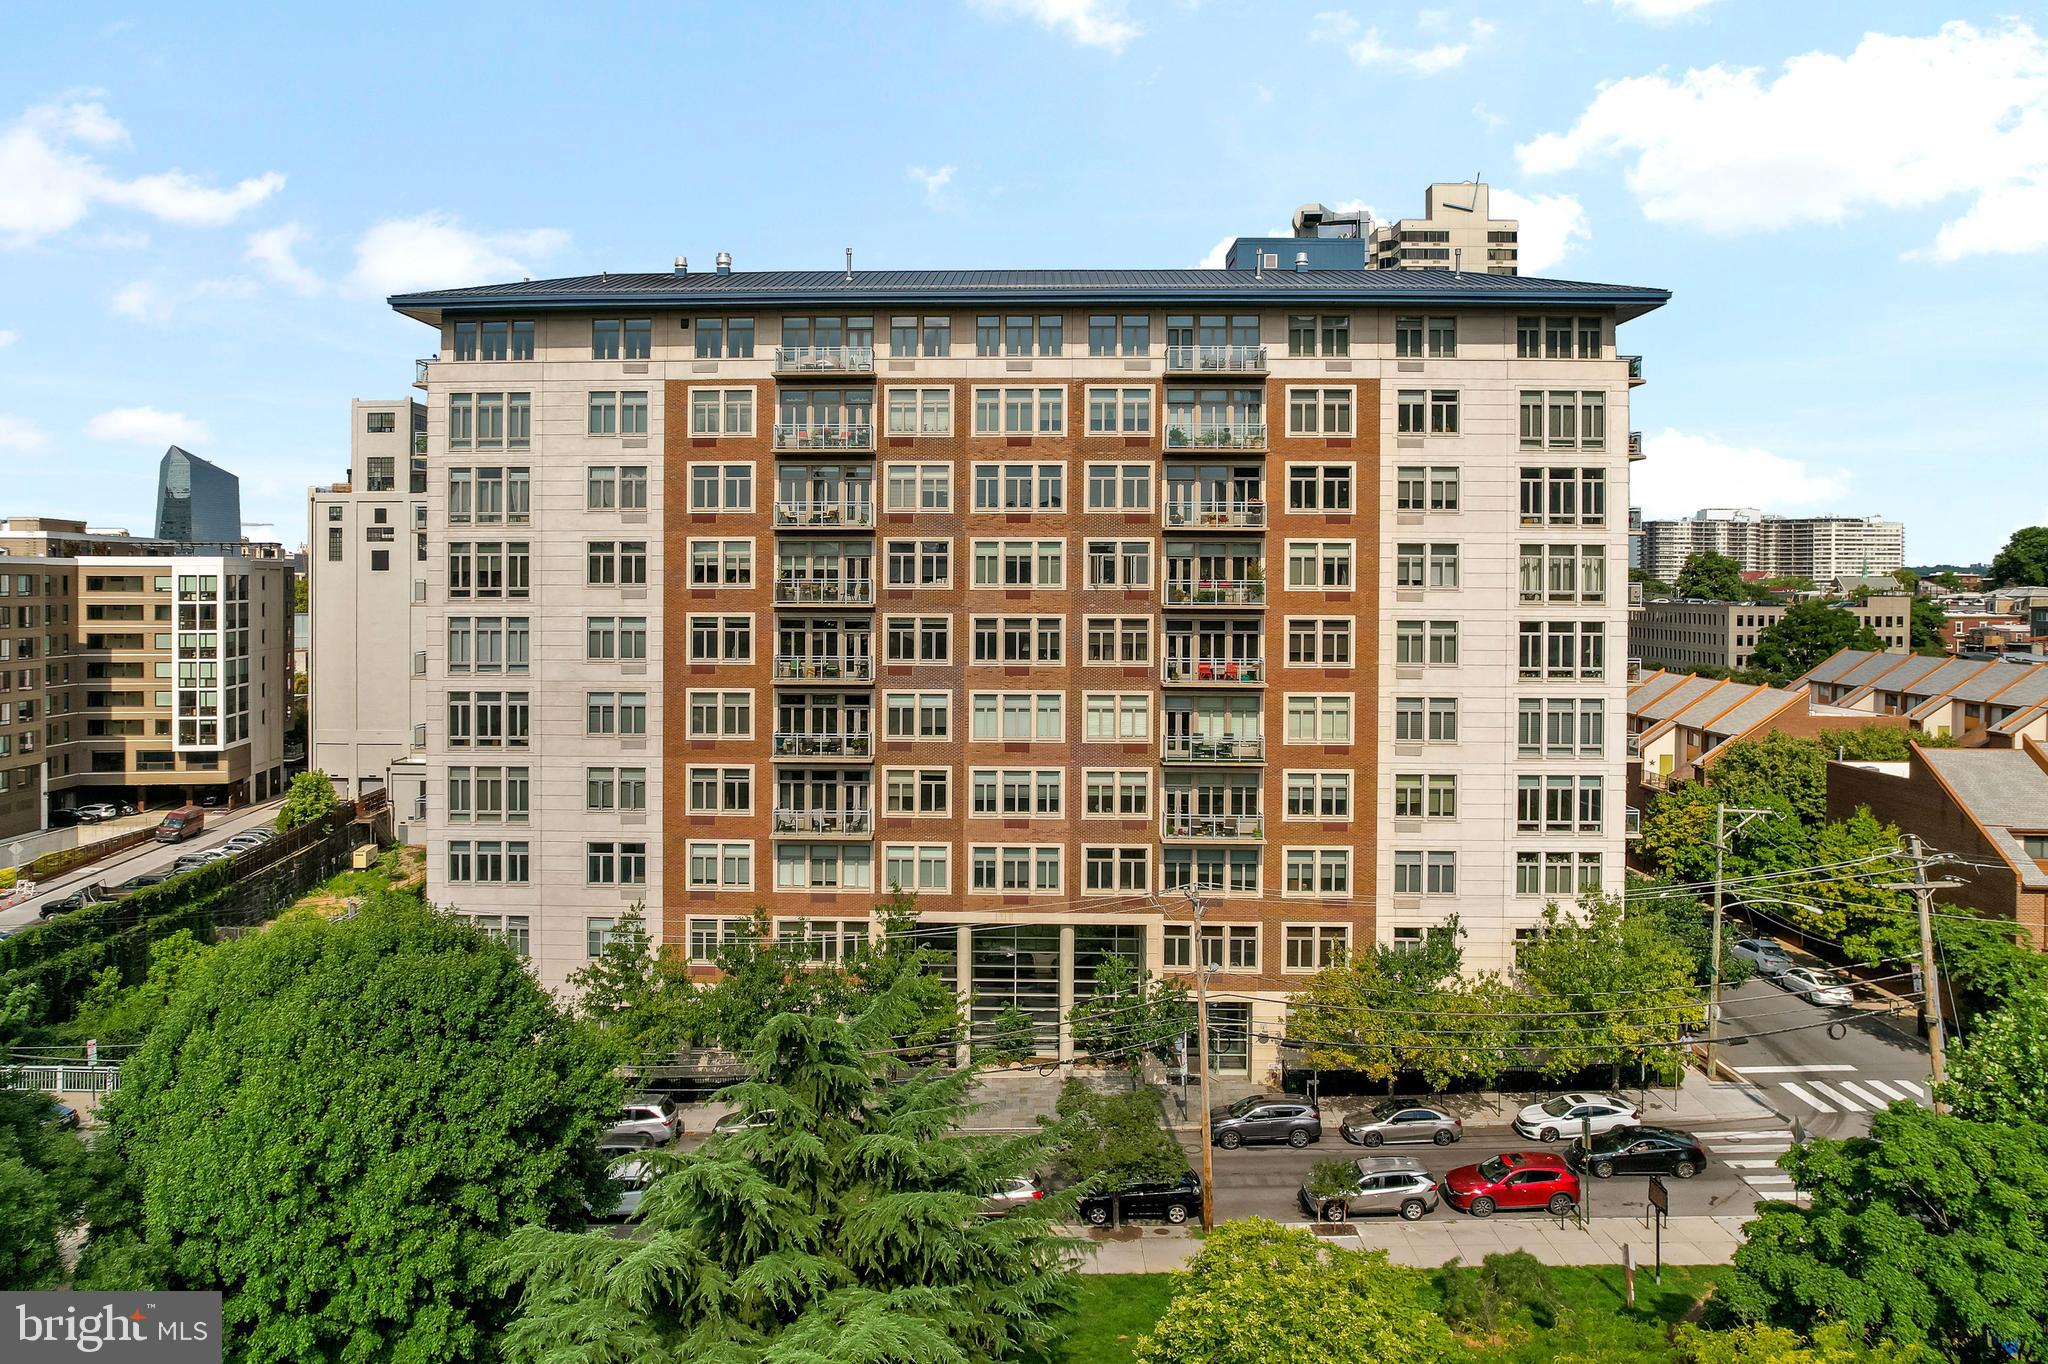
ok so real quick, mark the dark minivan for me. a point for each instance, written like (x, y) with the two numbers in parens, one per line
(180, 824)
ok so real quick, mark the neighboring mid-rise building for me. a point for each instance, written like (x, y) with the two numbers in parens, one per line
(367, 549)
(1822, 548)
(1723, 634)
(1456, 233)
(196, 502)
(36, 673)
(174, 676)
(1050, 596)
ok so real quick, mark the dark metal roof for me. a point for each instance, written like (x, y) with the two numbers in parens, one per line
(811, 287)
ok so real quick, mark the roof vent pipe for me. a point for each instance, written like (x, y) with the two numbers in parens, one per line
(682, 265)
(724, 262)
(1458, 261)
(1300, 261)
(849, 265)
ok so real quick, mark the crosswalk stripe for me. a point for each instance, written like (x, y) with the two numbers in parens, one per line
(1875, 1101)
(1772, 1135)
(1751, 1150)
(1833, 1097)
(1911, 1088)
(1751, 1164)
(1887, 1090)
(1798, 1070)
(1796, 1092)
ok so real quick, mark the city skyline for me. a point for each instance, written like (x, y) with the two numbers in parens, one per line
(229, 264)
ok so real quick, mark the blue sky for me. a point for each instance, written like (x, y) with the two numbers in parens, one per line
(201, 212)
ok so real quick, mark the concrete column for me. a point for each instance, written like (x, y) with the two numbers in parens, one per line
(1066, 990)
(963, 953)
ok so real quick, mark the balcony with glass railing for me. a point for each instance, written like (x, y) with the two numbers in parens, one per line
(1221, 672)
(799, 591)
(1635, 370)
(799, 437)
(1212, 828)
(844, 513)
(812, 668)
(420, 369)
(1200, 592)
(1195, 434)
(1218, 749)
(1635, 446)
(824, 359)
(824, 744)
(845, 823)
(1185, 513)
(1215, 359)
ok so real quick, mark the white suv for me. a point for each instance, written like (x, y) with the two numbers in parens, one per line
(649, 1120)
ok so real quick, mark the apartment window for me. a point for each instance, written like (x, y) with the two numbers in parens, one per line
(721, 563)
(721, 487)
(1319, 487)
(721, 412)
(1559, 804)
(633, 487)
(1560, 727)
(720, 866)
(1119, 563)
(1116, 794)
(621, 563)
(721, 714)
(1316, 719)
(1318, 795)
(710, 937)
(1408, 337)
(1563, 573)
(1126, 334)
(615, 713)
(721, 639)
(1019, 639)
(600, 489)
(1305, 331)
(917, 866)
(1120, 487)
(918, 563)
(1319, 642)
(1020, 412)
(920, 411)
(615, 788)
(721, 790)
(1443, 337)
(917, 639)
(1564, 420)
(917, 791)
(334, 544)
(1118, 639)
(1020, 487)
(1312, 947)
(488, 719)
(1119, 411)
(1014, 792)
(1319, 411)
(1562, 649)
(917, 715)
(918, 487)
(1420, 565)
(1015, 717)
(1019, 563)
(1564, 496)
(1317, 871)
(604, 414)
(1324, 564)
(720, 338)
(823, 866)
(1557, 873)
(1116, 717)
(1014, 870)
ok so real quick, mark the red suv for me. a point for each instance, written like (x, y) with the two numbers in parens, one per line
(1518, 1179)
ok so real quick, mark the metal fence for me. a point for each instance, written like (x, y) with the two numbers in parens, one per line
(80, 1079)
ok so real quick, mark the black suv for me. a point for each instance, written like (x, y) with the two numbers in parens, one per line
(1640, 1151)
(1175, 1202)
(1266, 1117)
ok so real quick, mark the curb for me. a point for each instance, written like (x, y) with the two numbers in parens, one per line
(1752, 1089)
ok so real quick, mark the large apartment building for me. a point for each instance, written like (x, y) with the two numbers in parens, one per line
(1818, 547)
(154, 671)
(1723, 634)
(366, 546)
(1051, 596)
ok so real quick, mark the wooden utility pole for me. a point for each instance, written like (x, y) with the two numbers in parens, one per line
(1202, 1054)
(1922, 890)
(1721, 833)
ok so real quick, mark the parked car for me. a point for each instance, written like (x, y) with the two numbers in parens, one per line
(65, 1116)
(142, 882)
(1394, 1122)
(1640, 1151)
(649, 1119)
(1516, 1179)
(1175, 1201)
(1816, 986)
(242, 843)
(77, 899)
(737, 1121)
(191, 861)
(1768, 958)
(1396, 1184)
(629, 1178)
(1265, 1117)
(1567, 1114)
(94, 813)
(1014, 1193)
(63, 819)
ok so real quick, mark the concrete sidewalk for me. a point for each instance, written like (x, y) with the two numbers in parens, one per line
(1432, 1241)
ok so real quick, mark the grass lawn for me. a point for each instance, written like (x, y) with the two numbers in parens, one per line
(1594, 1323)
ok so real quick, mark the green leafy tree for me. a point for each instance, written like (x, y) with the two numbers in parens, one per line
(1928, 618)
(1482, 1301)
(1688, 921)
(42, 1189)
(1998, 1069)
(2024, 560)
(1790, 582)
(1834, 1343)
(1777, 770)
(335, 1121)
(892, 984)
(1711, 577)
(636, 998)
(1007, 1036)
(1605, 987)
(1106, 1142)
(1260, 1292)
(310, 796)
(1370, 1012)
(758, 978)
(117, 1015)
(1652, 587)
(848, 1229)
(1129, 1014)
(1933, 1230)
(1948, 579)
(1808, 634)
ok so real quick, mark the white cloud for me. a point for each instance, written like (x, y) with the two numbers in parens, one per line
(1217, 254)
(1487, 116)
(53, 181)
(147, 426)
(435, 251)
(1682, 473)
(141, 301)
(1091, 23)
(275, 252)
(1660, 11)
(934, 182)
(1900, 122)
(8, 337)
(1369, 49)
(20, 435)
(146, 301)
(1551, 225)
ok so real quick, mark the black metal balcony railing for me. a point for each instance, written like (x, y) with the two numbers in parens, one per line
(1212, 826)
(1223, 671)
(1216, 359)
(823, 821)
(823, 745)
(855, 513)
(801, 436)
(1199, 435)
(1215, 591)
(1234, 748)
(793, 591)
(804, 668)
(825, 359)
(1217, 515)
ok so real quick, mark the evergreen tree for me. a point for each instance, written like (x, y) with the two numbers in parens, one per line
(848, 1229)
